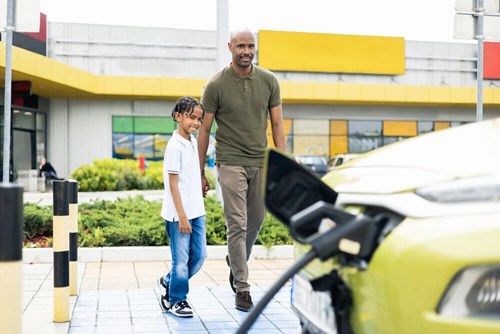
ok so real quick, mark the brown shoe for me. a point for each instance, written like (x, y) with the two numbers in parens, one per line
(243, 301)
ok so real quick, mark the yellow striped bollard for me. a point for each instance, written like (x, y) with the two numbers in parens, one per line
(61, 250)
(73, 237)
(11, 256)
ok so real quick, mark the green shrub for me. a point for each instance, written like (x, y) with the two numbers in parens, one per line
(134, 221)
(216, 226)
(37, 227)
(116, 174)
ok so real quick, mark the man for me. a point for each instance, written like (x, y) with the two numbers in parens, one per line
(47, 169)
(240, 98)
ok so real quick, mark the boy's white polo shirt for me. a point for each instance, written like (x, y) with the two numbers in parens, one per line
(181, 157)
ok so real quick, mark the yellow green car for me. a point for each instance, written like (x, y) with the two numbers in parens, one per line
(405, 239)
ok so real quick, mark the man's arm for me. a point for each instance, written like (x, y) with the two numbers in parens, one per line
(277, 127)
(203, 137)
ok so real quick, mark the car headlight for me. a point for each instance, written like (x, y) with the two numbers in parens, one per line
(474, 189)
(475, 292)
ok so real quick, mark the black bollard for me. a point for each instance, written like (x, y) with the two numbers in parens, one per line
(61, 250)
(73, 237)
(11, 256)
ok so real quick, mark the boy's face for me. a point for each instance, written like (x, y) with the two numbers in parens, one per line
(189, 123)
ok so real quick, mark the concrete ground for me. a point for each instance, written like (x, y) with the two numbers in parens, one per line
(117, 290)
(122, 297)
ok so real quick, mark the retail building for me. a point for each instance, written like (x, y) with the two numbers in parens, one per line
(103, 91)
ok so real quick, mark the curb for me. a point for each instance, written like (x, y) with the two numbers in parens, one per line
(149, 254)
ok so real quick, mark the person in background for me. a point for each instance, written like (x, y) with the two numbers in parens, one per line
(47, 169)
(240, 98)
(183, 208)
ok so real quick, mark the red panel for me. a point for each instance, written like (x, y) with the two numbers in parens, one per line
(42, 35)
(22, 87)
(491, 68)
(17, 101)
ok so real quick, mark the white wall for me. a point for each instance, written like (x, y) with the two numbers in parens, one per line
(80, 131)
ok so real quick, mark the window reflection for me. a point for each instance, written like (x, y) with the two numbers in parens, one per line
(123, 146)
(425, 126)
(364, 136)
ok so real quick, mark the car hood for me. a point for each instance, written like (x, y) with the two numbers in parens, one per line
(460, 152)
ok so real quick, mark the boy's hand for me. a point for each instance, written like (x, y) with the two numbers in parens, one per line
(184, 226)
(205, 185)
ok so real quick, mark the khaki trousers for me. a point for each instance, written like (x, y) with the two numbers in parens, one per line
(244, 212)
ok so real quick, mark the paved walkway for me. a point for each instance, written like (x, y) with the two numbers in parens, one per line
(121, 298)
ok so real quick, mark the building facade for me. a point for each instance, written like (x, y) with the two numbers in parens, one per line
(107, 91)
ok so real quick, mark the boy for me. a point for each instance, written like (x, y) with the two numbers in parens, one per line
(183, 208)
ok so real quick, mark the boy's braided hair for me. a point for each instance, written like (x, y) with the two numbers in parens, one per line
(186, 104)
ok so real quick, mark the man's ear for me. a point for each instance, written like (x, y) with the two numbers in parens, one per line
(229, 46)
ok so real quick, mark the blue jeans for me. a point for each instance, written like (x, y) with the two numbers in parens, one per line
(189, 251)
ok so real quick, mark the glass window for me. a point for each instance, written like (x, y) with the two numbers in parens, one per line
(136, 136)
(364, 144)
(425, 126)
(153, 125)
(390, 140)
(23, 119)
(458, 123)
(365, 128)
(40, 121)
(144, 145)
(123, 146)
(40, 136)
(160, 145)
(123, 124)
(364, 136)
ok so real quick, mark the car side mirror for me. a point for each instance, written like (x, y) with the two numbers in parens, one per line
(290, 188)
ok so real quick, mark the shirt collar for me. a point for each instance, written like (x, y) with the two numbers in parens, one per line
(237, 77)
(182, 140)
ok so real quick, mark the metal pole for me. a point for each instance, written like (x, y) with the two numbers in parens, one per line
(480, 48)
(7, 98)
(222, 34)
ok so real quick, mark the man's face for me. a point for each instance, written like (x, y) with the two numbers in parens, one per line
(242, 47)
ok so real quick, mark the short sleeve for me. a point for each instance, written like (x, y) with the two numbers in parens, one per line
(209, 97)
(173, 161)
(275, 99)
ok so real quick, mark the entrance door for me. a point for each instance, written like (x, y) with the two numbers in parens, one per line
(24, 154)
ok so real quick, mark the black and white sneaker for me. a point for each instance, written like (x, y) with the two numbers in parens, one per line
(182, 309)
(163, 298)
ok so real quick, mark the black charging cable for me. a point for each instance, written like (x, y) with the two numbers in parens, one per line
(257, 309)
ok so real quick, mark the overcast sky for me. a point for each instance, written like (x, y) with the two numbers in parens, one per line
(424, 20)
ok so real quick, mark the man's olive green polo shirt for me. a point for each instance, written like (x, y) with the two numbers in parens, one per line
(241, 106)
